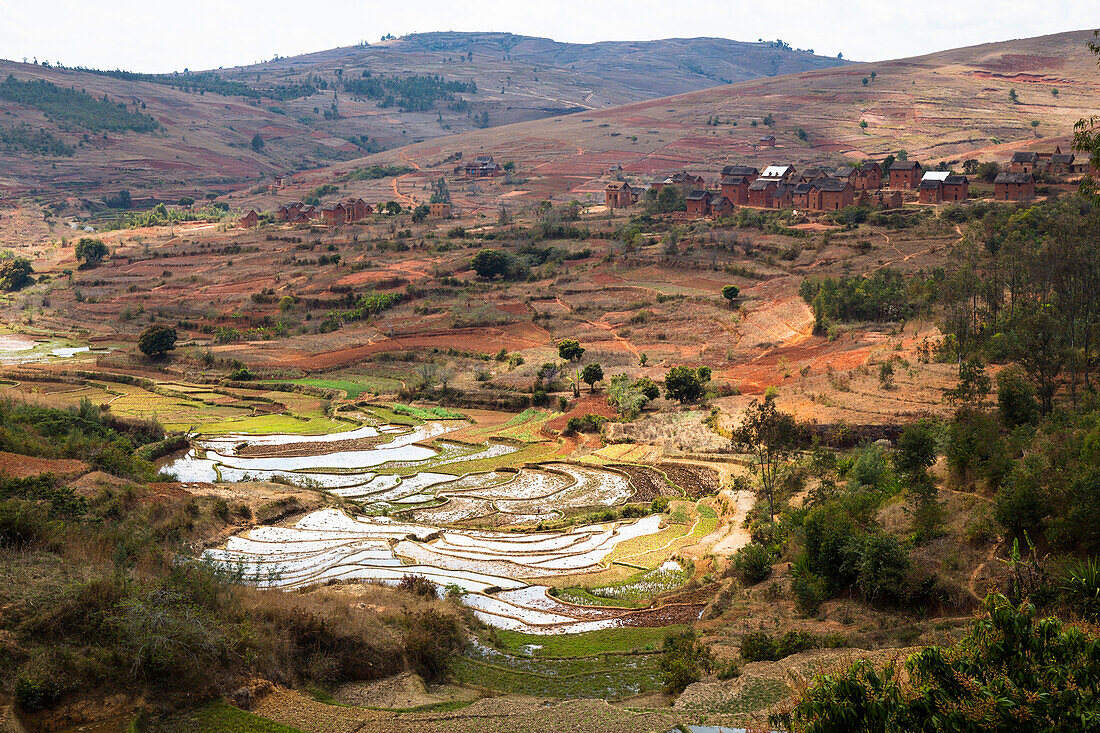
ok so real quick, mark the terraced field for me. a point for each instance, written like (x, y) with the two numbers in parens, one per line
(436, 508)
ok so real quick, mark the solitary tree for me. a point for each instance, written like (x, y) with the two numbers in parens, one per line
(157, 340)
(685, 384)
(570, 350)
(90, 252)
(770, 436)
(731, 293)
(15, 273)
(257, 142)
(489, 263)
(591, 374)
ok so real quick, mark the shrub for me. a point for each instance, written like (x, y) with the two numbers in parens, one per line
(752, 564)
(809, 592)
(15, 273)
(1081, 585)
(417, 584)
(759, 646)
(684, 659)
(883, 566)
(432, 639)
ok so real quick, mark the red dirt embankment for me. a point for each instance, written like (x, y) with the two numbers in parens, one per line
(13, 465)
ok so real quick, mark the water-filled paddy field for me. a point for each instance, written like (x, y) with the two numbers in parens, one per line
(417, 509)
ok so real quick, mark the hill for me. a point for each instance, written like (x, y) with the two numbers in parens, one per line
(982, 101)
(338, 104)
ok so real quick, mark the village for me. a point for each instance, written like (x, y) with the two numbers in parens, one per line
(780, 186)
(886, 185)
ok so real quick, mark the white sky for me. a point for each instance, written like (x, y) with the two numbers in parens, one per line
(158, 36)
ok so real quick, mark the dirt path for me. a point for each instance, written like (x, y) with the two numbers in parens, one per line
(396, 189)
(603, 326)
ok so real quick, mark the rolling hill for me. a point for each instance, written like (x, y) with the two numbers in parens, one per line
(334, 105)
(983, 101)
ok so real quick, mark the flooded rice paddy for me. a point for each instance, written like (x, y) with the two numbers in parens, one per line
(419, 513)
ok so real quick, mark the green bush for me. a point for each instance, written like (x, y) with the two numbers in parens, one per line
(759, 646)
(684, 659)
(752, 564)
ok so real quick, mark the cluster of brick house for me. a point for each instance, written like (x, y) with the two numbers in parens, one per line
(936, 187)
(348, 211)
(1055, 164)
(483, 166)
(775, 187)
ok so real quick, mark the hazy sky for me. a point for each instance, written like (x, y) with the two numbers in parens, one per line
(158, 36)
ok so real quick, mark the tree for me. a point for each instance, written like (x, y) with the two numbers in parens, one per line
(548, 372)
(731, 293)
(489, 263)
(770, 436)
(684, 659)
(1012, 672)
(90, 252)
(1040, 350)
(973, 386)
(15, 273)
(186, 201)
(591, 374)
(420, 213)
(570, 350)
(157, 340)
(684, 384)
(257, 142)
(1016, 401)
(626, 397)
(647, 387)
(915, 454)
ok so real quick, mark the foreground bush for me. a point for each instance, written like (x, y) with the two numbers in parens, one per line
(752, 564)
(1013, 672)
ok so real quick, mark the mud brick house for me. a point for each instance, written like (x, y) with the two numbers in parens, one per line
(720, 205)
(805, 195)
(905, 174)
(618, 195)
(289, 212)
(281, 179)
(736, 188)
(1023, 162)
(956, 188)
(683, 178)
(835, 194)
(333, 215)
(1061, 164)
(439, 210)
(356, 210)
(784, 192)
(762, 191)
(308, 212)
(698, 202)
(747, 171)
(846, 173)
(250, 219)
(812, 174)
(483, 166)
(767, 141)
(881, 198)
(930, 188)
(868, 177)
(1014, 187)
(778, 173)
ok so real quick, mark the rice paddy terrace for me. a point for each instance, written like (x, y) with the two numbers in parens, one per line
(417, 503)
